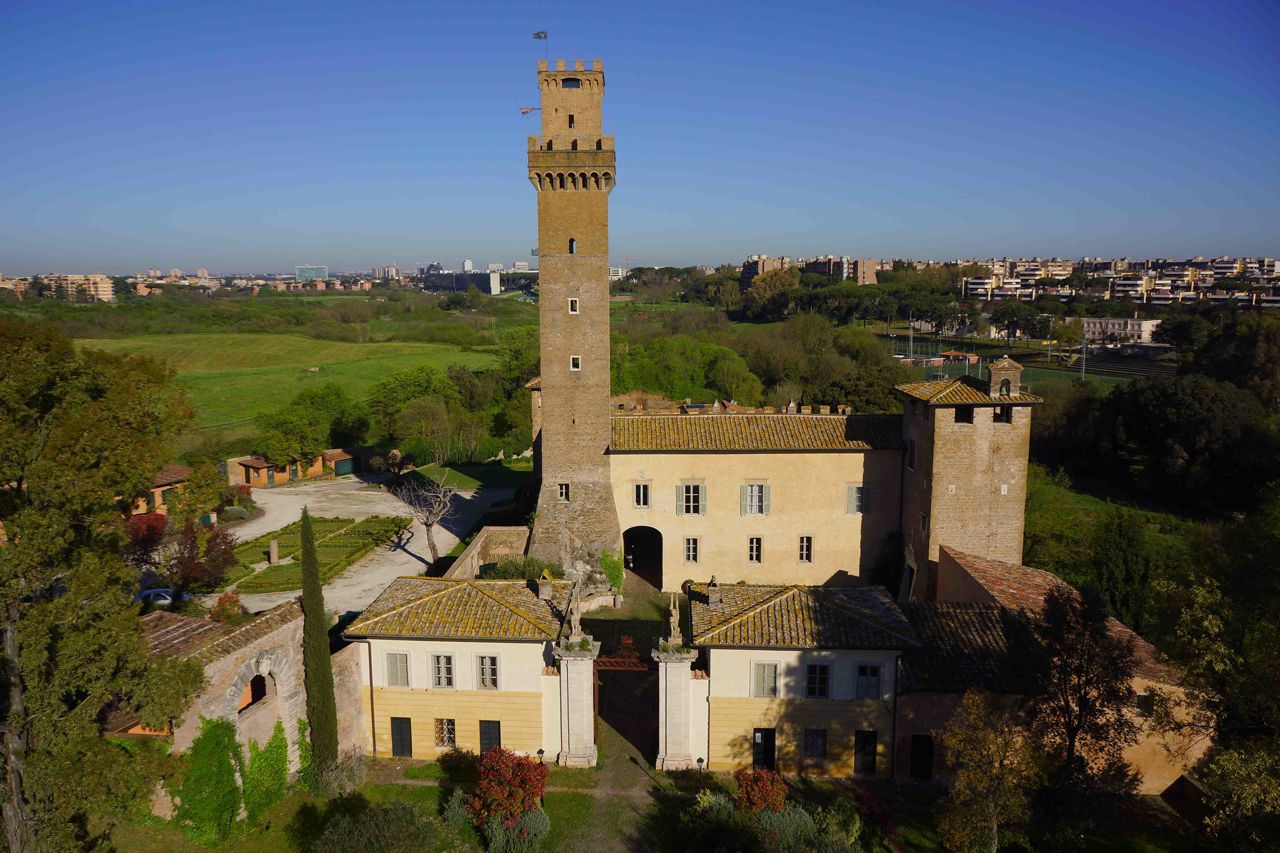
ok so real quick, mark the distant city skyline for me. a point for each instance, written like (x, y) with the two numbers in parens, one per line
(916, 130)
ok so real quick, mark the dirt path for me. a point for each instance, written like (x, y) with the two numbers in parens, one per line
(360, 584)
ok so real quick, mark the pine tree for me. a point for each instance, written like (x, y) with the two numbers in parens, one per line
(322, 712)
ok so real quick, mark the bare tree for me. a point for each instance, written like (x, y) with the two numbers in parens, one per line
(430, 502)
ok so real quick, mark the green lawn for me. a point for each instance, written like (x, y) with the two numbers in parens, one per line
(493, 475)
(1060, 520)
(339, 544)
(234, 377)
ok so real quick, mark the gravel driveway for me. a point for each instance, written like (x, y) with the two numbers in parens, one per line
(360, 583)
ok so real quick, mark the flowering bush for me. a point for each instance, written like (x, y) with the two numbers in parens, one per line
(510, 785)
(760, 790)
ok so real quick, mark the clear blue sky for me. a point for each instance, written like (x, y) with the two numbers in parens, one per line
(255, 136)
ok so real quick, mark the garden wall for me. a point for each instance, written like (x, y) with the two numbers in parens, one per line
(490, 545)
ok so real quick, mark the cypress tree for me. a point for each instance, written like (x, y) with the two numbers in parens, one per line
(322, 712)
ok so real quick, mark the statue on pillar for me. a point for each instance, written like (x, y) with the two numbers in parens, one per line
(676, 638)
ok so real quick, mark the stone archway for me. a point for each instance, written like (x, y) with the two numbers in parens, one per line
(642, 551)
(267, 687)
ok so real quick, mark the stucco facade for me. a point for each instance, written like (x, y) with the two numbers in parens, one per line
(808, 496)
(735, 710)
(525, 703)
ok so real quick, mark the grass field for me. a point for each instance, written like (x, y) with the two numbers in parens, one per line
(234, 377)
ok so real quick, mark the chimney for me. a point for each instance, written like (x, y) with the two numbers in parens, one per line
(713, 592)
(544, 587)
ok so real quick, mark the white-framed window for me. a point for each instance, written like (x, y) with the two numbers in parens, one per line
(806, 549)
(573, 305)
(754, 498)
(642, 495)
(446, 734)
(487, 672)
(866, 681)
(563, 489)
(1004, 488)
(764, 680)
(755, 549)
(691, 550)
(691, 498)
(442, 670)
(397, 669)
(855, 499)
(817, 681)
(575, 362)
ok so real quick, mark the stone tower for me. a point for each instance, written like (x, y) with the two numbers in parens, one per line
(965, 468)
(572, 169)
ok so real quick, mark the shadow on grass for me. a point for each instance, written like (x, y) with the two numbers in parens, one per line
(313, 818)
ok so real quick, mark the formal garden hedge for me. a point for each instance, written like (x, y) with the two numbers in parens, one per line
(249, 554)
(339, 544)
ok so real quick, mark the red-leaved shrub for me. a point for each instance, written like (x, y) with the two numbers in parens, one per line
(759, 791)
(227, 607)
(509, 786)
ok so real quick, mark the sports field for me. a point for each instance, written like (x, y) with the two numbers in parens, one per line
(234, 377)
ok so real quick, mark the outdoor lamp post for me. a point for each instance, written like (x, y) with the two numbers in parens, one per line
(541, 752)
(700, 762)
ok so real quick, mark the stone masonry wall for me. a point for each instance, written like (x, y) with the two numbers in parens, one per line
(277, 655)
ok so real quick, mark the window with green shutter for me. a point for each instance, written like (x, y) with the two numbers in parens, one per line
(754, 499)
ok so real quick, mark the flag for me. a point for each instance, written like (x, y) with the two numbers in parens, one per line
(524, 111)
(540, 34)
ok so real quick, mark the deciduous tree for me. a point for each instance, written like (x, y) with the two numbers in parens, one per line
(430, 502)
(994, 770)
(78, 431)
(1082, 675)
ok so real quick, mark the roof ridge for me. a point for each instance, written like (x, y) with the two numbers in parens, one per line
(846, 607)
(526, 617)
(755, 608)
(416, 600)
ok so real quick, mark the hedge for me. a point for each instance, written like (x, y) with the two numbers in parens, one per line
(337, 553)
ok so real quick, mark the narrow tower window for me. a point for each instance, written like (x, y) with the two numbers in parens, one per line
(575, 362)
(573, 146)
(573, 305)
(573, 246)
(571, 121)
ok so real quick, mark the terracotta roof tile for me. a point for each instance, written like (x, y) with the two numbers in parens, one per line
(1023, 588)
(754, 432)
(444, 608)
(798, 617)
(205, 640)
(171, 475)
(963, 391)
(176, 635)
(962, 646)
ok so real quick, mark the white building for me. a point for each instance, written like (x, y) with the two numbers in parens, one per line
(1120, 329)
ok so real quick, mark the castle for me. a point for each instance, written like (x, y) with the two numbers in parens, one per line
(809, 495)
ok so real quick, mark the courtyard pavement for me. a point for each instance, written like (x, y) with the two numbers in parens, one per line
(360, 583)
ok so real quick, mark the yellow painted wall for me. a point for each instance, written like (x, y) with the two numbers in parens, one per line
(733, 719)
(807, 498)
(519, 713)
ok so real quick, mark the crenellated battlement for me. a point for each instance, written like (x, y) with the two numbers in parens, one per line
(578, 65)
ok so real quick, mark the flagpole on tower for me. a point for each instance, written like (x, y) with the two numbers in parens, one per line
(546, 46)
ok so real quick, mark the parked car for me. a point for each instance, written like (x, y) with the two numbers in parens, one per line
(159, 597)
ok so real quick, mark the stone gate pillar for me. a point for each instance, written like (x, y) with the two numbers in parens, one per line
(674, 736)
(577, 702)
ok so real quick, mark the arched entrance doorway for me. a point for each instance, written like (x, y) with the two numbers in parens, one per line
(642, 551)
